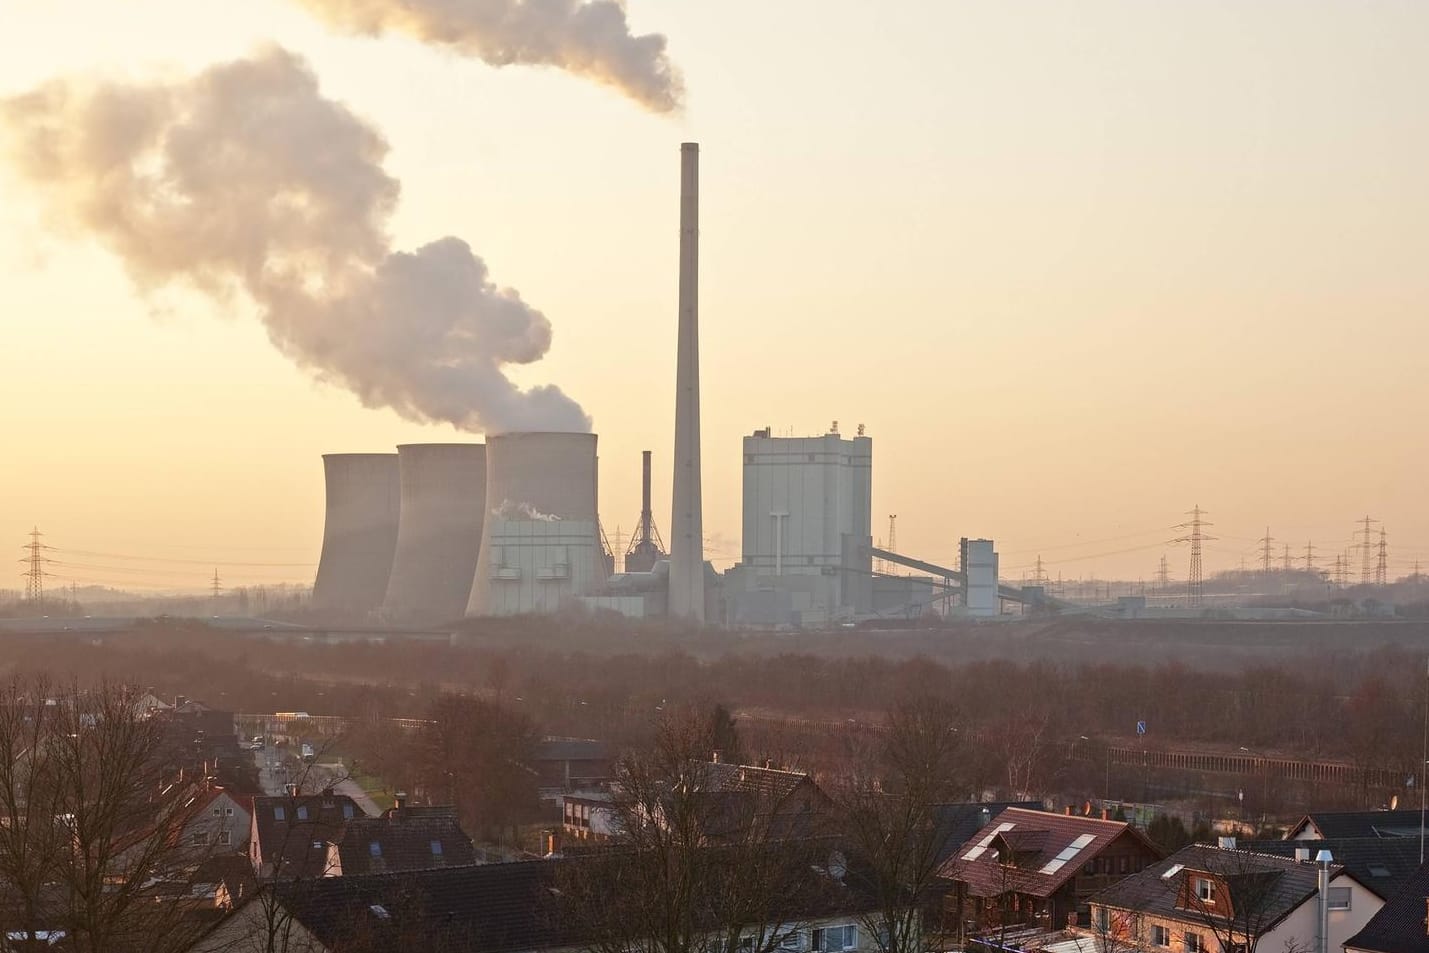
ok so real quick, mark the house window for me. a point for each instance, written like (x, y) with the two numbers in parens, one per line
(279, 814)
(792, 942)
(1193, 943)
(215, 812)
(1205, 890)
(1160, 936)
(1125, 864)
(834, 939)
(225, 838)
(228, 812)
(375, 849)
(347, 811)
(302, 813)
(436, 846)
(1339, 898)
(1101, 919)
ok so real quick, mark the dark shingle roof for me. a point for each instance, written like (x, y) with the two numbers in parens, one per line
(1278, 885)
(773, 784)
(1343, 824)
(1044, 844)
(406, 839)
(1383, 864)
(1399, 926)
(297, 844)
(491, 908)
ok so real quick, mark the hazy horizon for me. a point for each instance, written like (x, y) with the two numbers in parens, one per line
(1075, 268)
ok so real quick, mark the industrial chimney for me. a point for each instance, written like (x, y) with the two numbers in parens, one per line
(359, 531)
(646, 548)
(687, 552)
(439, 532)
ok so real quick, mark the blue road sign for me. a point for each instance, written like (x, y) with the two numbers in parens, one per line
(1141, 727)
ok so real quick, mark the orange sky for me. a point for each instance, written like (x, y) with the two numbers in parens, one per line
(1077, 267)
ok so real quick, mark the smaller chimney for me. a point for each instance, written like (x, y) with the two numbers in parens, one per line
(1225, 843)
(1106, 814)
(553, 842)
(1302, 855)
(1067, 810)
(714, 757)
(399, 801)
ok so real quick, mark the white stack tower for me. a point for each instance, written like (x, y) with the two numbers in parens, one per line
(687, 551)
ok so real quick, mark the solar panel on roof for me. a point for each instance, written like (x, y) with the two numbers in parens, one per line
(1175, 869)
(983, 844)
(1068, 852)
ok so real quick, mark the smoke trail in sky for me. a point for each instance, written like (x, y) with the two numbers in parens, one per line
(589, 38)
(245, 178)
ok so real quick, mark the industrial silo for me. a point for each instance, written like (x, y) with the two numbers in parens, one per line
(439, 534)
(359, 532)
(540, 542)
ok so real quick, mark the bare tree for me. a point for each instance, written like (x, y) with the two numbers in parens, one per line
(697, 866)
(93, 816)
(890, 816)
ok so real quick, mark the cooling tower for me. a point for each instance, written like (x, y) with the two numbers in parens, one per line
(439, 533)
(540, 543)
(359, 532)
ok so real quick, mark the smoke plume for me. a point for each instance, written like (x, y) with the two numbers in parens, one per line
(589, 38)
(244, 178)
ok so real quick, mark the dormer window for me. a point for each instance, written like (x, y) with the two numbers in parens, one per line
(375, 849)
(347, 811)
(302, 812)
(1205, 890)
(279, 814)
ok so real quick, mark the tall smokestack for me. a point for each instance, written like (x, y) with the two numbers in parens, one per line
(687, 551)
(647, 518)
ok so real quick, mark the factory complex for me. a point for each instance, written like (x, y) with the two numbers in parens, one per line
(434, 532)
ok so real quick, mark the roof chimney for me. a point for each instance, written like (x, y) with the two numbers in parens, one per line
(714, 757)
(1302, 855)
(1225, 843)
(399, 801)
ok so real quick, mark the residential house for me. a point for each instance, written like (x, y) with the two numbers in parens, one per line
(219, 820)
(491, 908)
(957, 823)
(297, 837)
(1383, 864)
(587, 817)
(1225, 899)
(1400, 925)
(1338, 825)
(1038, 868)
(787, 801)
(405, 838)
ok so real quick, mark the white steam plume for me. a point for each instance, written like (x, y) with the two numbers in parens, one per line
(589, 38)
(245, 178)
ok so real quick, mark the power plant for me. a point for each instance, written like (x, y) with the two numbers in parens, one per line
(443, 493)
(436, 531)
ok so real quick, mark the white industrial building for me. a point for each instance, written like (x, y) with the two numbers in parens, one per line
(807, 528)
